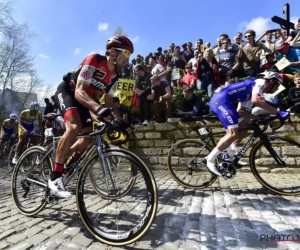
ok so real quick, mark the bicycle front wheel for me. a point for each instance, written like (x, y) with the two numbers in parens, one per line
(275, 164)
(29, 180)
(187, 166)
(122, 221)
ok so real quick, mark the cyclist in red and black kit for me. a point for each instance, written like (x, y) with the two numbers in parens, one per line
(78, 95)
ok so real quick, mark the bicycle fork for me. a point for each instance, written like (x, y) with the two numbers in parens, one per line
(106, 167)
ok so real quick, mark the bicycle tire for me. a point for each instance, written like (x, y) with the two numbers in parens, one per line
(4, 148)
(261, 180)
(151, 202)
(175, 177)
(10, 165)
(124, 191)
(14, 184)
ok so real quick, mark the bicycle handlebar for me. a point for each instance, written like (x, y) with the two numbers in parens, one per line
(268, 122)
(113, 132)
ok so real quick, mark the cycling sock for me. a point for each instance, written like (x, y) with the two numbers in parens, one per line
(57, 172)
(234, 148)
(213, 155)
(230, 153)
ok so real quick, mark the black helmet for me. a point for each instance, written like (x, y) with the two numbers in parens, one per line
(120, 42)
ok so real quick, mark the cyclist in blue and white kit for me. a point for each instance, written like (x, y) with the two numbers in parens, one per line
(243, 92)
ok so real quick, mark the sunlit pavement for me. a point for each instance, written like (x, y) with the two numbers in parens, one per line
(232, 214)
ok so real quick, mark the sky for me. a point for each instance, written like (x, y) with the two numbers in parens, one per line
(67, 31)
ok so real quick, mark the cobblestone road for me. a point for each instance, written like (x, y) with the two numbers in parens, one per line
(232, 214)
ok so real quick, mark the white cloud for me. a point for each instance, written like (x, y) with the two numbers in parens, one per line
(92, 52)
(48, 39)
(135, 39)
(258, 24)
(101, 52)
(43, 56)
(77, 51)
(103, 26)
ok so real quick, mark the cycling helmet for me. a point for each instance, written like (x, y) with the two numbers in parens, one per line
(120, 42)
(269, 75)
(34, 106)
(13, 117)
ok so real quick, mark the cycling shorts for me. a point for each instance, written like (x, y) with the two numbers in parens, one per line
(7, 132)
(28, 127)
(65, 99)
(227, 114)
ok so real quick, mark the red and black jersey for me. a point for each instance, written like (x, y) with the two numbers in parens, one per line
(94, 72)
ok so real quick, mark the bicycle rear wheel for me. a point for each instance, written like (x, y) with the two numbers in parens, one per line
(190, 152)
(283, 179)
(29, 180)
(116, 222)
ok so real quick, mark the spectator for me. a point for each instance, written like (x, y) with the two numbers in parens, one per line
(125, 72)
(206, 71)
(228, 60)
(161, 91)
(55, 107)
(280, 36)
(270, 63)
(191, 105)
(131, 68)
(161, 61)
(294, 32)
(199, 46)
(150, 64)
(159, 70)
(49, 107)
(240, 36)
(189, 79)
(268, 43)
(159, 51)
(237, 41)
(172, 50)
(218, 46)
(184, 46)
(207, 45)
(122, 110)
(294, 95)
(194, 60)
(249, 55)
(178, 63)
(188, 53)
(143, 88)
(291, 54)
(139, 59)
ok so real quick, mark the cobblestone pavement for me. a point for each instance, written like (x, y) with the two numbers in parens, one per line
(232, 214)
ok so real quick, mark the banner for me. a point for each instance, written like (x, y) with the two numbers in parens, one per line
(124, 90)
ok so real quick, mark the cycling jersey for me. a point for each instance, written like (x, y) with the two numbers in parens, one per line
(94, 73)
(27, 118)
(27, 121)
(9, 128)
(242, 92)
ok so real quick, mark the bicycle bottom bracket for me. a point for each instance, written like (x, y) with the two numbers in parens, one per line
(227, 169)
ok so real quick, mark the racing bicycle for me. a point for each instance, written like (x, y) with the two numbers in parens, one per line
(273, 159)
(114, 211)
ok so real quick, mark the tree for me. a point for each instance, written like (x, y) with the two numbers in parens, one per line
(119, 31)
(15, 59)
(5, 14)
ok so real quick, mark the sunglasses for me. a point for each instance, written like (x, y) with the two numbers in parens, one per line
(125, 52)
(248, 36)
(225, 43)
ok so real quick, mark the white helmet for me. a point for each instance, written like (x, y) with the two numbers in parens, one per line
(34, 106)
(269, 75)
(13, 117)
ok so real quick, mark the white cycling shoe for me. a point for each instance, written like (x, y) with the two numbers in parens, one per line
(57, 189)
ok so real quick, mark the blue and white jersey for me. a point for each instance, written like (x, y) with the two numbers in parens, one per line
(241, 91)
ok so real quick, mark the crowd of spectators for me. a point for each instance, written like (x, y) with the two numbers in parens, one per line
(205, 67)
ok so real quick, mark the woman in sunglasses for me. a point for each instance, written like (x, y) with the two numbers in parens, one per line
(75, 98)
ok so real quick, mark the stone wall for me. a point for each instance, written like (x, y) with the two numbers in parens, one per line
(154, 141)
